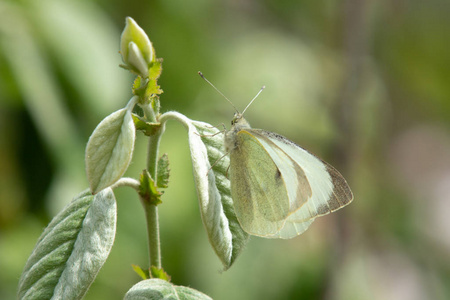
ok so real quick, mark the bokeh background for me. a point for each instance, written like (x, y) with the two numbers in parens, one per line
(363, 84)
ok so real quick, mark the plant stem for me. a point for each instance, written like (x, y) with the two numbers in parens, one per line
(149, 113)
(126, 181)
(152, 152)
(151, 210)
(154, 244)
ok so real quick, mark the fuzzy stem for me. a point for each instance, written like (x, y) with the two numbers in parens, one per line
(151, 210)
(149, 113)
(154, 244)
(126, 181)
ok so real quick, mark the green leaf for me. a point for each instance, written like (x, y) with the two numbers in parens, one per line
(224, 231)
(146, 127)
(71, 250)
(159, 273)
(160, 289)
(153, 272)
(149, 88)
(156, 106)
(153, 89)
(138, 87)
(155, 69)
(148, 190)
(144, 274)
(109, 150)
(163, 173)
(210, 165)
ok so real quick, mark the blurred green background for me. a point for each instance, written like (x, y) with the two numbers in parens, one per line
(363, 84)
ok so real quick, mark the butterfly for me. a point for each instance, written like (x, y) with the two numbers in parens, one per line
(278, 188)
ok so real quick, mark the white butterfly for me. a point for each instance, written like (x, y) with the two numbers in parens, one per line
(277, 187)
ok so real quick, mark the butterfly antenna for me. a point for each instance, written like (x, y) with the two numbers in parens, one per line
(204, 78)
(263, 87)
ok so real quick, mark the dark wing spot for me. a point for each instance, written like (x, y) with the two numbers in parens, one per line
(277, 175)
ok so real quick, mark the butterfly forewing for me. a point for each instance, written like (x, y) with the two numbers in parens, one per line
(257, 186)
(342, 194)
(296, 182)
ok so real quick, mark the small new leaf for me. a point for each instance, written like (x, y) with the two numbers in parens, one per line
(162, 179)
(148, 190)
(159, 273)
(155, 69)
(144, 274)
(153, 89)
(156, 106)
(140, 87)
(136, 84)
(147, 128)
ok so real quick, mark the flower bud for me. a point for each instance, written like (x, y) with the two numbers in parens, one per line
(136, 48)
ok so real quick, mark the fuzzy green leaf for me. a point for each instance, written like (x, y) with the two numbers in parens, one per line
(162, 179)
(109, 150)
(144, 274)
(224, 231)
(159, 273)
(155, 69)
(147, 128)
(153, 89)
(72, 249)
(159, 289)
(139, 88)
(148, 189)
(210, 165)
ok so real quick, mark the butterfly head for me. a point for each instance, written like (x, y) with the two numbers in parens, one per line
(238, 122)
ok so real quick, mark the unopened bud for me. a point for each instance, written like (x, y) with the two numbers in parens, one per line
(136, 48)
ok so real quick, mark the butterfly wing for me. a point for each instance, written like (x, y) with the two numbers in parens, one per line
(329, 190)
(258, 188)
